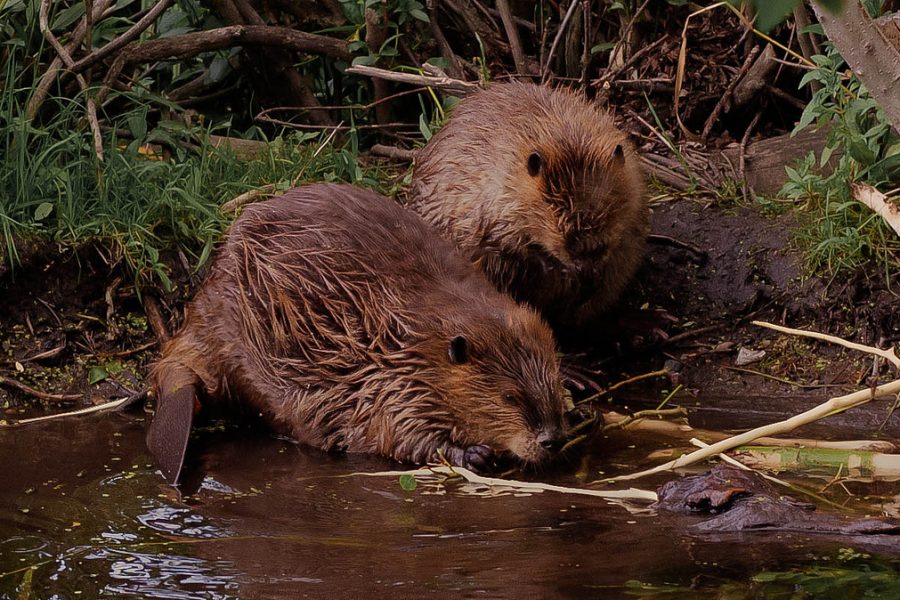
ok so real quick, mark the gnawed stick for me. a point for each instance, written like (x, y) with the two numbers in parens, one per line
(888, 355)
(834, 405)
(878, 202)
(81, 411)
(629, 494)
(682, 431)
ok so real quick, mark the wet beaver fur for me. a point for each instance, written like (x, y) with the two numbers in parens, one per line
(349, 324)
(542, 189)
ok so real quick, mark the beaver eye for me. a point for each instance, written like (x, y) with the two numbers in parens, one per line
(458, 350)
(510, 397)
(535, 160)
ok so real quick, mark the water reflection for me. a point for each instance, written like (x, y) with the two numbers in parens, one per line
(81, 504)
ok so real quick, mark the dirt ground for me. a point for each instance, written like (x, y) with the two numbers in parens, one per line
(71, 324)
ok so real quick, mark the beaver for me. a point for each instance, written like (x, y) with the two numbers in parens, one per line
(349, 324)
(540, 188)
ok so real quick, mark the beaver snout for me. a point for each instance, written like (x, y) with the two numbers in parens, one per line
(551, 439)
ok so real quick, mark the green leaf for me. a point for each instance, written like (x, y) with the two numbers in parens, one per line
(806, 118)
(424, 128)
(367, 61)
(815, 28)
(137, 123)
(418, 14)
(407, 483)
(218, 69)
(439, 61)
(603, 47)
(772, 12)
(96, 375)
(113, 367)
(68, 16)
(860, 152)
(43, 211)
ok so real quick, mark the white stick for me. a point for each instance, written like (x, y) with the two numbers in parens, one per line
(881, 204)
(885, 354)
(629, 494)
(72, 413)
(823, 410)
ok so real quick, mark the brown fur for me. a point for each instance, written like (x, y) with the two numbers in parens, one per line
(566, 240)
(331, 310)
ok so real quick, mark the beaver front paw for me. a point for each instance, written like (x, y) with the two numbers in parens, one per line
(475, 458)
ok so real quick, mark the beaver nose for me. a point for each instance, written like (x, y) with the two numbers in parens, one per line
(551, 439)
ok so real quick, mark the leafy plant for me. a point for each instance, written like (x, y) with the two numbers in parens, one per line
(842, 234)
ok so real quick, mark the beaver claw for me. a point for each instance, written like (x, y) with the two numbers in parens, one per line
(475, 458)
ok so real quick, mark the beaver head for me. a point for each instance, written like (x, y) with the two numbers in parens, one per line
(497, 377)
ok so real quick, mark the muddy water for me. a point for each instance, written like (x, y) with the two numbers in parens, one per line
(83, 514)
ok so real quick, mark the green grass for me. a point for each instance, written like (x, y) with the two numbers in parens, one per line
(53, 187)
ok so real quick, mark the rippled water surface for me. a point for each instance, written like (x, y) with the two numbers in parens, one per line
(84, 514)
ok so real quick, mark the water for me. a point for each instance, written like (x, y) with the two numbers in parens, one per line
(83, 514)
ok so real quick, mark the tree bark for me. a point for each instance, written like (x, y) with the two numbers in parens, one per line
(868, 52)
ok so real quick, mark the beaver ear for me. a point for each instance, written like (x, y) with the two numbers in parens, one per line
(535, 161)
(619, 154)
(458, 350)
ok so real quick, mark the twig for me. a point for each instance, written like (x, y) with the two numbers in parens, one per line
(435, 81)
(37, 393)
(512, 33)
(714, 116)
(134, 350)
(881, 204)
(49, 76)
(73, 413)
(669, 240)
(803, 386)
(781, 94)
(454, 68)
(393, 152)
(887, 355)
(645, 414)
(743, 152)
(67, 60)
(614, 74)
(124, 39)
(545, 68)
(629, 494)
(615, 386)
(679, 73)
(623, 39)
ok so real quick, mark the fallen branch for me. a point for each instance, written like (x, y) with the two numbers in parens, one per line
(428, 472)
(191, 44)
(18, 385)
(73, 413)
(878, 202)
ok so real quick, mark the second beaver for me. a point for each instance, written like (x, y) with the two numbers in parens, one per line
(350, 324)
(541, 188)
